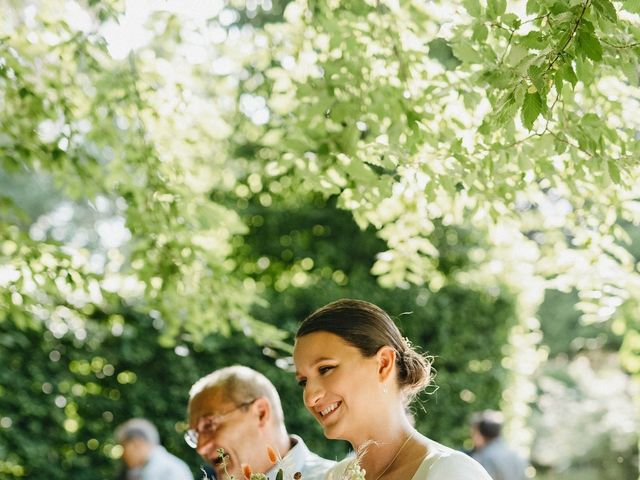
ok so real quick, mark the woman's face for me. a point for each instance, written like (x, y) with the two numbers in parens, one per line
(341, 386)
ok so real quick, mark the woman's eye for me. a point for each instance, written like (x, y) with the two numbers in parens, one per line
(325, 369)
(302, 383)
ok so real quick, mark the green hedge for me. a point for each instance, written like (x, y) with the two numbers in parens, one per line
(61, 398)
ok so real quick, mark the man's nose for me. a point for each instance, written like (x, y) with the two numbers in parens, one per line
(206, 446)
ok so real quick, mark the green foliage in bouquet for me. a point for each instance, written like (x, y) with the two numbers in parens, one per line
(247, 472)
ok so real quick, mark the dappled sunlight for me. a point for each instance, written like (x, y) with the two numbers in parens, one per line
(181, 182)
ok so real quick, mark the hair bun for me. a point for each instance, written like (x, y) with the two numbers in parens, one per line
(415, 372)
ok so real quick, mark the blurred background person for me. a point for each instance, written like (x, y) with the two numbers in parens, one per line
(143, 456)
(491, 451)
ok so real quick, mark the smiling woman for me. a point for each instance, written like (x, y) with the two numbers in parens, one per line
(359, 374)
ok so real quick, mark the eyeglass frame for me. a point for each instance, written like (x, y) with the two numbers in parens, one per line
(191, 435)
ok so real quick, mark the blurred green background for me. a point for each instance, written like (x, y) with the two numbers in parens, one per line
(158, 223)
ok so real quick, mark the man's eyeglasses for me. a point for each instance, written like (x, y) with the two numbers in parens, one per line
(209, 424)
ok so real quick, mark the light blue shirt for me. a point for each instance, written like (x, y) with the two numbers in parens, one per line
(500, 461)
(301, 459)
(161, 466)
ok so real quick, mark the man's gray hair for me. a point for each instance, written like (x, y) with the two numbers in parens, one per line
(240, 384)
(138, 428)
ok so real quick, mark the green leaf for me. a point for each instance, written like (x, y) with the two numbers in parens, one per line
(587, 25)
(560, 7)
(560, 143)
(631, 6)
(509, 106)
(473, 7)
(512, 20)
(588, 45)
(532, 6)
(440, 49)
(533, 39)
(495, 8)
(536, 75)
(558, 80)
(465, 53)
(592, 122)
(614, 171)
(516, 54)
(531, 109)
(584, 70)
(606, 9)
(631, 72)
(480, 32)
(568, 74)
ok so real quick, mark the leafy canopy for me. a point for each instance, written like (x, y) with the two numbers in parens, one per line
(515, 119)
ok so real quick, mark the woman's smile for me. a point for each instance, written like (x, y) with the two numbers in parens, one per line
(331, 408)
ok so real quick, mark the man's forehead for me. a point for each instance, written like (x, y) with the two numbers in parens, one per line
(208, 402)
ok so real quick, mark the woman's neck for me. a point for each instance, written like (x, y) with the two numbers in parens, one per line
(381, 449)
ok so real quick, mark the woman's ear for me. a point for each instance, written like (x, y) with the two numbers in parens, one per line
(386, 361)
(262, 407)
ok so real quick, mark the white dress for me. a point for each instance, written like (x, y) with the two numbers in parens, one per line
(441, 463)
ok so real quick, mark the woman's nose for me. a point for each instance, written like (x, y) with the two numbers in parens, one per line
(312, 394)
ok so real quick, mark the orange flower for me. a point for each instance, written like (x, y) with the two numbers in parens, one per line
(246, 471)
(273, 456)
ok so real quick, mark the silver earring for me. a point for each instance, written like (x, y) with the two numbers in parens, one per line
(384, 388)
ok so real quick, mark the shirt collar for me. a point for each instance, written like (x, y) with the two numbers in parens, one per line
(293, 461)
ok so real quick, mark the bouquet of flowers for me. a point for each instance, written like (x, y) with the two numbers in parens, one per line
(354, 471)
(248, 474)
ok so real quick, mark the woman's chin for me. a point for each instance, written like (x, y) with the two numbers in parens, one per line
(330, 435)
(332, 432)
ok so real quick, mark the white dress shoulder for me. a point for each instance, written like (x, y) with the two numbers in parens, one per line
(444, 463)
(441, 463)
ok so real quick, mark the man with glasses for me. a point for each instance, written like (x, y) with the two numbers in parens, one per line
(238, 410)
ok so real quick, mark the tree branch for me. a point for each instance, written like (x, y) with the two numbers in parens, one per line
(504, 54)
(531, 20)
(571, 35)
(629, 45)
(572, 145)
